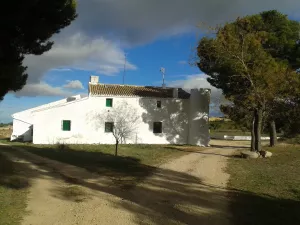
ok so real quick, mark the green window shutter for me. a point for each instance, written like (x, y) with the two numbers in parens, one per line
(109, 102)
(109, 126)
(66, 125)
(157, 127)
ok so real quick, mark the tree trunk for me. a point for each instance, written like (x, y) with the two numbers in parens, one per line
(273, 134)
(257, 127)
(253, 134)
(116, 150)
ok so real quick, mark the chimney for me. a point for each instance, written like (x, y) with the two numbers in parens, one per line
(94, 79)
(175, 92)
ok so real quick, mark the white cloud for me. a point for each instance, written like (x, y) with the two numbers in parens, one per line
(78, 52)
(74, 84)
(92, 42)
(139, 21)
(62, 69)
(42, 89)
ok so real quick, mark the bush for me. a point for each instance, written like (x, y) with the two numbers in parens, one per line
(292, 140)
(62, 147)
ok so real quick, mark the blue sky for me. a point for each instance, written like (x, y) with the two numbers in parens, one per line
(152, 35)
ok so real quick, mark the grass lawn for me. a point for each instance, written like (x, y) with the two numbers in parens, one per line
(13, 192)
(145, 154)
(267, 190)
(133, 163)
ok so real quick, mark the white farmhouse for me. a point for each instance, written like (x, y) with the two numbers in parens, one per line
(167, 116)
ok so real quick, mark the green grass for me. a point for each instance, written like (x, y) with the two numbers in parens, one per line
(145, 154)
(133, 164)
(13, 192)
(267, 190)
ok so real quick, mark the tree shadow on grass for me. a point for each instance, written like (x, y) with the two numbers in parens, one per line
(13, 172)
(230, 147)
(252, 209)
(123, 171)
(199, 152)
(165, 197)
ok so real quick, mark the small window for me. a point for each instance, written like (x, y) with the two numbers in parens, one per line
(109, 102)
(109, 126)
(66, 125)
(158, 104)
(157, 127)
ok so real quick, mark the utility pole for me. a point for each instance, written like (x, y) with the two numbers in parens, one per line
(124, 73)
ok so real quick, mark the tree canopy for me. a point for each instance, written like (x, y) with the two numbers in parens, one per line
(26, 28)
(254, 61)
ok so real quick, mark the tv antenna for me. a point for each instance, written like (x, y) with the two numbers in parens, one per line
(163, 71)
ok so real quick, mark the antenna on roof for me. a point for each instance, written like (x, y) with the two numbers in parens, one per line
(125, 60)
(163, 71)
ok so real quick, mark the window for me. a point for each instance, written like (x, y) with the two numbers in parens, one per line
(158, 104)
(109, 126)
(157, 127)
(66, 125)
(109, 102)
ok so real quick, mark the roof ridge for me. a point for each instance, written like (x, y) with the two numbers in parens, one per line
(131, 85)
(133, 90)
(122, 85)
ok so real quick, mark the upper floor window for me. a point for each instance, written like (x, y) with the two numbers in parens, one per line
(109, 102)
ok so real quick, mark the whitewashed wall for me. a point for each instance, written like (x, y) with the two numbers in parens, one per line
(84, 129)
(199, 117)
(23, 121)
(21, 130)
(183, 121)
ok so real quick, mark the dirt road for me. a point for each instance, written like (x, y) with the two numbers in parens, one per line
(188, 190)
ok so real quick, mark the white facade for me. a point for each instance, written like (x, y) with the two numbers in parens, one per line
(184, 121)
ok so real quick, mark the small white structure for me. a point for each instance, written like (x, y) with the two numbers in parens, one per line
(166, 116)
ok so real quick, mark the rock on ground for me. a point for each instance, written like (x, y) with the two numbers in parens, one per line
(249, 155)
(266, 154)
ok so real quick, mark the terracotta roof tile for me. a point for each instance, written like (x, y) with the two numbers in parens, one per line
(140, 91)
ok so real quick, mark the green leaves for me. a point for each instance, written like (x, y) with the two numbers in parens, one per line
(27, 27)
(254, 61)
(249, 57)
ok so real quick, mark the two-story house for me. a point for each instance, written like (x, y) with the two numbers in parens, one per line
(167, 116)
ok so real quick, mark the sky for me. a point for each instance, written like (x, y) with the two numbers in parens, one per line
(151, 33)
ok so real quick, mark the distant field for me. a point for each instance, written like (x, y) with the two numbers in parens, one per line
(5, 132)
(218, 126)
(219, 119)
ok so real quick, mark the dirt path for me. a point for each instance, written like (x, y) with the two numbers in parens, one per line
(188, 190)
